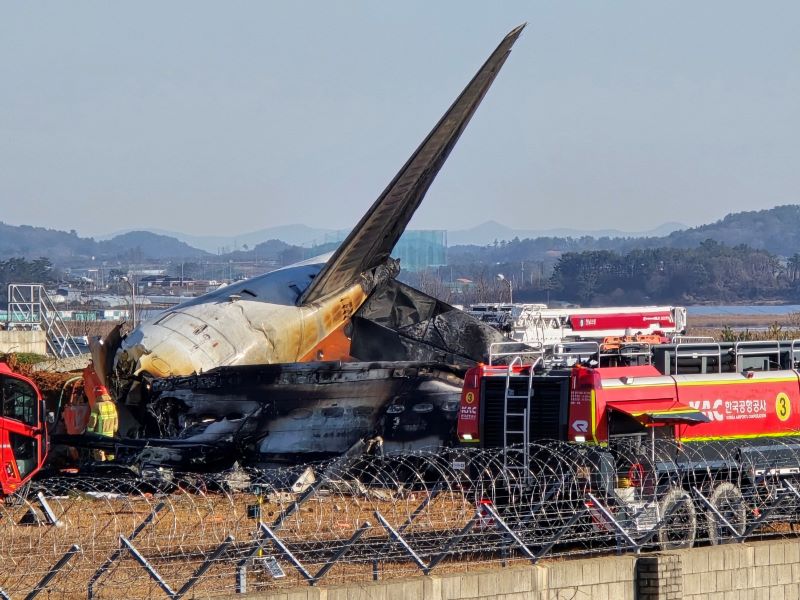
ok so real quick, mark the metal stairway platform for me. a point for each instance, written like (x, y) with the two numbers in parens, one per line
(29, 305)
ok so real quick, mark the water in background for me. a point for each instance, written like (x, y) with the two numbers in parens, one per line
(773, 309)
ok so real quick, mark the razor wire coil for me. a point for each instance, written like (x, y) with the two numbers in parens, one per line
(388, 516)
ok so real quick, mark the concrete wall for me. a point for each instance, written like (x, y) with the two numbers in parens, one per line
(767, 570)
(588, 579)
(753, 571)
(23, 341)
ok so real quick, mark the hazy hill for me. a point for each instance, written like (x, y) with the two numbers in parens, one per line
(150, 245)
(62, 247)
(775, 229)
(297, 235)
(25, 241)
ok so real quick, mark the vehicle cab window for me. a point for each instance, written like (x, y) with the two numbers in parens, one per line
(18, 401)
(26, 453)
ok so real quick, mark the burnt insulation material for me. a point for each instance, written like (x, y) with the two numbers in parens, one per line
(398, 322)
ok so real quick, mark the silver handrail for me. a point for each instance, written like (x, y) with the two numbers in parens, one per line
(534, 352)
(756, 352)
(699, 352)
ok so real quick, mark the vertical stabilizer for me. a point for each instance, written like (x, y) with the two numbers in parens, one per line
(372, 240)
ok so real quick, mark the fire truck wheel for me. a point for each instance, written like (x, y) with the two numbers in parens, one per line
(728, 500)
(680, 526)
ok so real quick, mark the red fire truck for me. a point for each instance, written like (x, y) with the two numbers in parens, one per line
(23, 433)
(720, 420)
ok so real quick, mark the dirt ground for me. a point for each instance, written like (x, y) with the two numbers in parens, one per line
(190, 526)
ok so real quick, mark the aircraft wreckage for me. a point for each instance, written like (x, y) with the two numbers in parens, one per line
(306, 360)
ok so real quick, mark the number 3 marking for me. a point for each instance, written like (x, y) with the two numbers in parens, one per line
(783, 406)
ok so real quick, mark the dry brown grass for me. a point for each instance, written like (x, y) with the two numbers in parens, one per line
(733, 327)
(190, 527)
(728, 320)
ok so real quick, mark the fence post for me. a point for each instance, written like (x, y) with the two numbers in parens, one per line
(74, 549)
(117, 553)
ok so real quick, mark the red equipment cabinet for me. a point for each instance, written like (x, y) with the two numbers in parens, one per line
(23, 434)
(701, 408)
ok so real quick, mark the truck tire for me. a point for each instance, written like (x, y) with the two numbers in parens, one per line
(728, 500)
(679, 529)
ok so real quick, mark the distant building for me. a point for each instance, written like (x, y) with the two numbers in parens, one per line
(165, 281)
(417, 249)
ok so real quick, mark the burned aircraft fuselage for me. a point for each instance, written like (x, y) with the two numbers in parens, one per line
(255, 321)
(284, 411)
(410, 352)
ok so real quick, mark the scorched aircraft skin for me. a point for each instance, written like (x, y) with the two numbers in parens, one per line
(290, 315)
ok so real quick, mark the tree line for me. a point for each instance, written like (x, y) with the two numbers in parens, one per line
(709, 272)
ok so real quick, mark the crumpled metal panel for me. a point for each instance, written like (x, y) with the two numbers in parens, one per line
(398, 322)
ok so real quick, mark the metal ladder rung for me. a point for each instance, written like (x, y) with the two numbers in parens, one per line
(519, 464)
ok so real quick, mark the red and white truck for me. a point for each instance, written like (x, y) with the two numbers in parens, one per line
(537, 324)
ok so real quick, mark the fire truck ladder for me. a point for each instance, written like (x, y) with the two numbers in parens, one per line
(29, 306)
(516, 427)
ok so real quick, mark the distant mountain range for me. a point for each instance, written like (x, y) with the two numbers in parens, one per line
(487, 233)
(303, 235)
(776, 230)
(295, 235)
(65, 247)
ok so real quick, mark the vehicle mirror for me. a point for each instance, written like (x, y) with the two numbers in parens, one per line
(51, 417)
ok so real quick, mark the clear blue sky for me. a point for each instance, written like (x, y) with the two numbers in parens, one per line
(229, 117)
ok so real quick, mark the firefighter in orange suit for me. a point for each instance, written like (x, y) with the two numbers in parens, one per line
(103, 420)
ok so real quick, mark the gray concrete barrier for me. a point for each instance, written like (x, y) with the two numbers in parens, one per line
(751, 571)
(23, 341)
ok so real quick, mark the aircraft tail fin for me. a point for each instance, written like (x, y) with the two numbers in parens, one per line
(372, 240)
